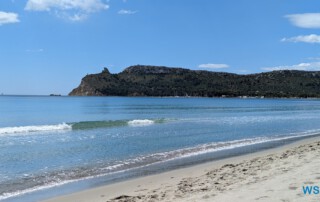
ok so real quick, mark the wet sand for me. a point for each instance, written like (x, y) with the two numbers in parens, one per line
(272, 175)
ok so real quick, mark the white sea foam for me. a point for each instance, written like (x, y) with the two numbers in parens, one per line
(214, 147)
(29, 129)
(33, 189)
(140, 122)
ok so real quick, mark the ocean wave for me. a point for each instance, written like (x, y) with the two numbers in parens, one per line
(115, 123)
(140, 122)
(29, 129)
(83, 125)
(86, 125)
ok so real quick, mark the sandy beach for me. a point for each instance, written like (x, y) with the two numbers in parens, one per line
(272, 175)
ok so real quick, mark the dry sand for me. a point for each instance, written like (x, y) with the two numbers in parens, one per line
(271, 175)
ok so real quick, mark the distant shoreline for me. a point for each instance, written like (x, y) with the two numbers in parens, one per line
(236, 97)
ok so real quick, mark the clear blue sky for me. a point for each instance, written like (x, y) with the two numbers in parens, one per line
(47, 46)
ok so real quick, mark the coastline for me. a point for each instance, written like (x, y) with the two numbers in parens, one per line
(277, 173)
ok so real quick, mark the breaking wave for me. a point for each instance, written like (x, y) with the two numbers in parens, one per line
(29, 129)
(84, 125)
(143, 122)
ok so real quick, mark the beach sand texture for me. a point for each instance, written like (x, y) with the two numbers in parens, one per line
(272, 175)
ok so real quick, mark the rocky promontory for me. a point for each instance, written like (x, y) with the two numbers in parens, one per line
(143, 80)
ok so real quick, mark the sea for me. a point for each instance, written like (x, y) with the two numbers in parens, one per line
(52, 145)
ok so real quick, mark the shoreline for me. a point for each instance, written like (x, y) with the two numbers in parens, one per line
(206, 181)
(140, 96)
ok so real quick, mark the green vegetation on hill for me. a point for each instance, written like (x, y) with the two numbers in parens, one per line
(141, 80)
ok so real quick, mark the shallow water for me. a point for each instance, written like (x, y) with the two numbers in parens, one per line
(46, 142)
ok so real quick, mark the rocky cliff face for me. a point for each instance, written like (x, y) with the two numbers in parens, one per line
(141, 80)
(85, 89)
(91, 84)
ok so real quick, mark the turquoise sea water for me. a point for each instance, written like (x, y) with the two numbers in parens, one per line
(51, 144)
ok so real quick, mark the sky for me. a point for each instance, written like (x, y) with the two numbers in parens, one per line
(47, 46)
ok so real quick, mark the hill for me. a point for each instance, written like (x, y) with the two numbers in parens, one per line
(142, 80)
